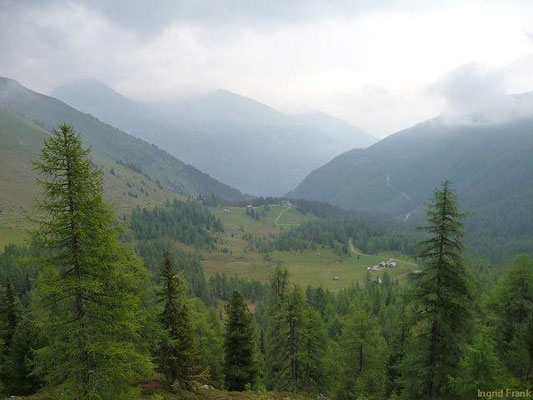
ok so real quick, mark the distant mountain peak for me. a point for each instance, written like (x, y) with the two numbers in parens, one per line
(90, 90)
(234, 138)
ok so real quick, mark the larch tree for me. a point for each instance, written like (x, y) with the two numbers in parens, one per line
(88, 297)
(239, 364)
(442, 301)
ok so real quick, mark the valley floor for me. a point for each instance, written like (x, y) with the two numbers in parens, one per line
(234, 254)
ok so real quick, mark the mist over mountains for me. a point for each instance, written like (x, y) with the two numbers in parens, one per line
(235, 139)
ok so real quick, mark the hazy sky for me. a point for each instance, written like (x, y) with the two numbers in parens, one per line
(381, 65)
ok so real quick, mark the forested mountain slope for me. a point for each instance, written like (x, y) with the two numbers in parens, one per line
(112, 144)
(238, 140)
(491, 165)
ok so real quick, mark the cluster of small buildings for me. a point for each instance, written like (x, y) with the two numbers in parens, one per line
(382, 265)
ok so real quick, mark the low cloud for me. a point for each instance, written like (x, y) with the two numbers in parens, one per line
(476, 94)
(366, 61)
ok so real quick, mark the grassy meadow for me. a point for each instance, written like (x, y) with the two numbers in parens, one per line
(305, 267)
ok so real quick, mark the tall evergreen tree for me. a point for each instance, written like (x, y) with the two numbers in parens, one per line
(442, 301)
(239, 365)
(178, 354)
(88, 295)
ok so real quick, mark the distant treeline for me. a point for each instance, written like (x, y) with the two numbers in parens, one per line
(335, 228)
(317, 208)
(187, 222)
(335, 233)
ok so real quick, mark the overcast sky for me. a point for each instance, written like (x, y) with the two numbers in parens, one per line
(381, 65)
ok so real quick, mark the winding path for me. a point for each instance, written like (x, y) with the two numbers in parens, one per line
(276, 221)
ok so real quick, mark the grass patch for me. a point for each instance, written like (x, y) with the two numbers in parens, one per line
(306, 267)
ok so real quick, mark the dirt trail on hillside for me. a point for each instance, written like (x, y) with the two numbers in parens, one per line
(276, 221)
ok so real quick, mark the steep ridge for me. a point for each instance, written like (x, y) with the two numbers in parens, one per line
(111, 144)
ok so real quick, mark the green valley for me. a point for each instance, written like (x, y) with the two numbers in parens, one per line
(266, 200)
(309, 287)
(234, 255)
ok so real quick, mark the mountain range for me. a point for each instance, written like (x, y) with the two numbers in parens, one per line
(235, 139)
(112, 144)
(489, 164)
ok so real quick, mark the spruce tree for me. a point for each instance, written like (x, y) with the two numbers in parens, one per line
(239, 365)
(442, 302)
(178, 354)
(88, 294)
